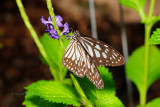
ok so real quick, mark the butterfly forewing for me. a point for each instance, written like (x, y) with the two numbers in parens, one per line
(101, 53)
(74, 58)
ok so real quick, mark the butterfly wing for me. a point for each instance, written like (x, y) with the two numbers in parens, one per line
(93, 73)
(101, 53)
(74, 58)
(77, 60)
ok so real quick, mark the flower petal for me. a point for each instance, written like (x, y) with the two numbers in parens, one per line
(43, 20)
(59, 20)
(56, 37)
(66, 28)
(49, 18)
(46, 22)
(53, 34)
(58, 17)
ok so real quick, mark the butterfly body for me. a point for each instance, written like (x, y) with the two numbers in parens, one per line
(84, 54)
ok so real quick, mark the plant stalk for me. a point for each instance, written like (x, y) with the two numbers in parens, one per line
(51, 12)
(148, 27)
(151, 10)
(143, 94)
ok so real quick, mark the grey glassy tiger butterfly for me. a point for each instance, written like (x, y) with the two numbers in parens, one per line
(84, 54)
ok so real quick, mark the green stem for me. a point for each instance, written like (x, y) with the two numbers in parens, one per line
(51, 12)
(33, 33)
(62, 50)
(143, 95)
(148, 27)
(151, 9)
(86, 102)
(140, 11)
(54, 73)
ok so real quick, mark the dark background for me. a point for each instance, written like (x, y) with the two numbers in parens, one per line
(20, 64)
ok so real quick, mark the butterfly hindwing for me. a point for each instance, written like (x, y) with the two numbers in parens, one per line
(93, 73)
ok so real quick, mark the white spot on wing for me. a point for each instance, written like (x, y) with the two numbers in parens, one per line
(115, 54)
(68, 51)
(98, 47)
(88, 64)
(92, 66)
(77, 53)
(110, 58)
(106, 50)
(89, 49)
(73, 58)
(84, 45)
(113, 57)
(106, 46)
(72, 50)
(104, 55)
(97, 53)
(89, 42)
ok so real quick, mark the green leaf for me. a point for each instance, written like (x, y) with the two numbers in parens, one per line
(55, 92)
(35, 101)
(135, 67)
(53, 50)
(154, 103)
(137, 5)
(155, 37)
(101, 97)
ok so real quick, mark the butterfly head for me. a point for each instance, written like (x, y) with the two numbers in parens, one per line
(75, 36)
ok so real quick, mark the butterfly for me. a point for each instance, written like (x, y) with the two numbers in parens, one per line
(84, 54)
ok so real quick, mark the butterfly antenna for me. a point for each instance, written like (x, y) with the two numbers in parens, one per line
(71, 30)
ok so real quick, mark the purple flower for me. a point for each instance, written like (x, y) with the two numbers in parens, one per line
(49, 18)
(46, 22)
(53, 34)
(59, 20)
(50, 28)
(65, 29)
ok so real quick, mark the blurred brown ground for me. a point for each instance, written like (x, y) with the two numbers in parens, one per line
(20, 64)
